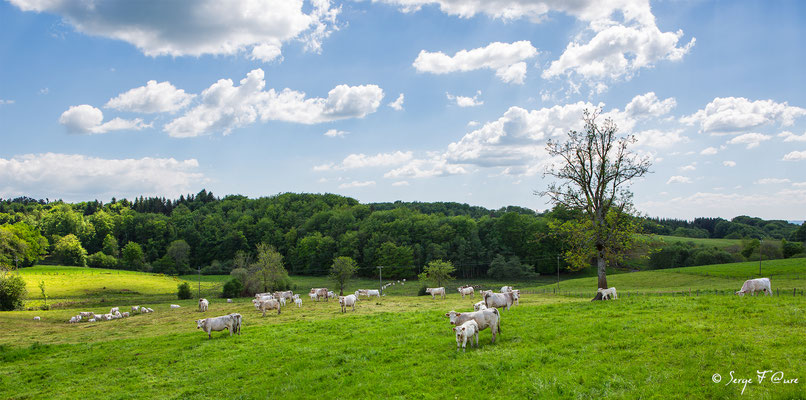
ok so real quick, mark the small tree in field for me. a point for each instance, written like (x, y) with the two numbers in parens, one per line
(342, 270)
(437, 272)
(268, 266)
(593, 175)
(12, 290)
(183, 291)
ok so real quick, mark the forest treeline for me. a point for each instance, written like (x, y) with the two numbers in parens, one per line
(309, 230)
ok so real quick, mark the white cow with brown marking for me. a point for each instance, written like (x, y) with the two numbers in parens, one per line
(434, 292)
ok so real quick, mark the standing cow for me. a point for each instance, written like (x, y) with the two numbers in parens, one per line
(756, 285)
(489, 318)
(434, 292)
(500, 299)
(466, 291)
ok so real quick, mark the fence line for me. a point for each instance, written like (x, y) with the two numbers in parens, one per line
(682, 293)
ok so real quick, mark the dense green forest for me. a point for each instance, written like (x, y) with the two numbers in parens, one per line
(310, 230)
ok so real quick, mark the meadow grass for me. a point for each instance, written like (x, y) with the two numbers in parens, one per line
(402, 347)
(718, 243)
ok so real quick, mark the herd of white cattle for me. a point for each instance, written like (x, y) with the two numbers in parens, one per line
(467, 325)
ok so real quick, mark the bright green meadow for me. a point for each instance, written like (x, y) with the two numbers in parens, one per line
(401, 346)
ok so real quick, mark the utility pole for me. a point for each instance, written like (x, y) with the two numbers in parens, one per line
(760, 256)
(16, 263)
(199, 281)
(558, 273)
(380, 278)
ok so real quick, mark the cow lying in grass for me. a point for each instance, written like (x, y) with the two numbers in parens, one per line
(216, 324)
(756, 285)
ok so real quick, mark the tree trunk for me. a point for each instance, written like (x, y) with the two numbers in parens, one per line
(601, 264)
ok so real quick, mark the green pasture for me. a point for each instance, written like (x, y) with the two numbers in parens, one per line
(402, 347)
(718, 243)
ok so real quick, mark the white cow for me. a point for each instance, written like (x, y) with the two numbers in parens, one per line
(86, 314)
(91, 320)
(347, 301)
(135, 309)
(296, 296)
(484, 292)
(517, 296)
(479, 306)
(174, 306)
(313, 296)
(236, 322)
(466, 291)
(469, 329)
(126, 314)
(505, 289)
(320, 293)
(216, 324)
(36, 318)
(114, 310)
(203, 304)
(298, 302)
(489, 318)
(609, 293)
(282, 300)
(500, 299)
(434, 292)
(361, 292)
(331, 293)
(269, 305)
(373, 292)
(229, 300)
(756, 285)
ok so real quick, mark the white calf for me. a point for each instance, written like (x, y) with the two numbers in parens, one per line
(313, 296)
(469, 329)
(36, 318)
(609, 293)
(298, 302)
(347, 301)
(135, 309)
(114, 310)
(229, 300)
(466, 291)
(203, 304)
(479, 306)
(174, 306)
(489, 318)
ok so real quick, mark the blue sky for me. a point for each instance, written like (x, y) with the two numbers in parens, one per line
(262, 97)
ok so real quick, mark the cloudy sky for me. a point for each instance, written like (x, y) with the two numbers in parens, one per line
(383, 100)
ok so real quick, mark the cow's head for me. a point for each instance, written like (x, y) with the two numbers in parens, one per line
(199, 323)
(739, 293)
(452, 315)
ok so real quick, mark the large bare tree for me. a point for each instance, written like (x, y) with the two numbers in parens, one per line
(593, 173)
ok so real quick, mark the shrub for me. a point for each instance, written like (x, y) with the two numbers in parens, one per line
(422, 292)
(184, 291)
(711, 256)
(501, 268)
(789, 249)
(101, 260)
(12, 290)
(233, 288)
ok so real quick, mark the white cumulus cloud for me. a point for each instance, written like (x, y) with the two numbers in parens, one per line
(335, 133)
(398, 103)
(795, 156)
(735, 115)
(750, 139)
(648, 105)
(152, 98)
(709, 151)
(353, 161)
(194, 28)
(225, 106)
(79, 177)
(464, 101)
(791, 137)
(771, 181)
(678, 179)
(86, 119)
(355, 184)
(506, 59)
(729, 163)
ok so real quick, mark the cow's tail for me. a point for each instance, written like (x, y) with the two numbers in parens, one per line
(499, 319)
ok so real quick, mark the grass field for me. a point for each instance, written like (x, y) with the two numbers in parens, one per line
(718, 243)
(401, 346)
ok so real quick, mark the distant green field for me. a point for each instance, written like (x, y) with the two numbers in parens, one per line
(718, 243)
(784, 275)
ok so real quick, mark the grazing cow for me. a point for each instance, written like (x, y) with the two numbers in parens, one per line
(373, 292)
(313, 296)
(466, 291)
(434, 292)
(229, 300)
(347, 301)
(608, 293)
(269, 305)
(298, 302)
(469, 329)
(505, 289)
(114, 310)
(286, 295)
(500, 299)
(73, 320)
(489, 318)
(108, 317)
(320, 293)
(203, 304)
(517, 296)
(331, 294)
(236, 322)
(281, 299)
(361, 292)
(135, 309)
(216, 324)
(174, 306)
(756, 285)
(479, 306)
(36, 318)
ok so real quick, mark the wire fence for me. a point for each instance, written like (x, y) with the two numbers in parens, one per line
(794, 292)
